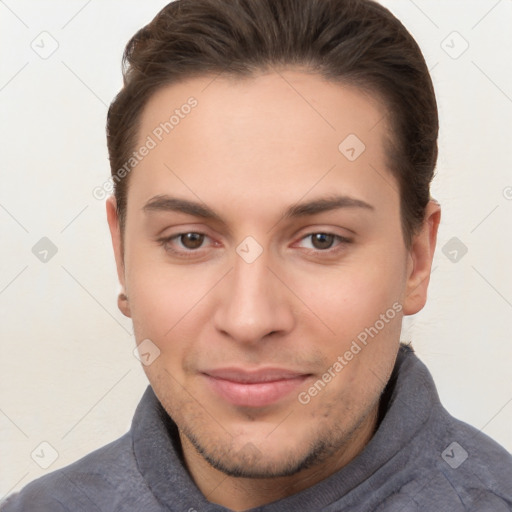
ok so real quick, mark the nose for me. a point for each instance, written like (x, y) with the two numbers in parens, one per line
(253, 302)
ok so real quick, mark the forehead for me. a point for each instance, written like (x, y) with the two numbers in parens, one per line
(272, 136)
(285, 103)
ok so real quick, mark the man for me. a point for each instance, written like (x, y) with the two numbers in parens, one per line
(272, 224)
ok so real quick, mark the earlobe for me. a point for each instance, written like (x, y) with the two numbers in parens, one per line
(421, 255)
(123, 304)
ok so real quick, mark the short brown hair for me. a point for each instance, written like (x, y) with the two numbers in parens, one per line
(357, 42)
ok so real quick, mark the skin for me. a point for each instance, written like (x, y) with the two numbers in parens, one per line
(249, 150)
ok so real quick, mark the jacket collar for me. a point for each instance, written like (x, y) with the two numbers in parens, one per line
(406, 404)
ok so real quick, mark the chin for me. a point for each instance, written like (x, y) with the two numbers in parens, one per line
(261, 457)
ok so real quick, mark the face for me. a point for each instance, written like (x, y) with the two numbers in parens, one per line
(265, 263)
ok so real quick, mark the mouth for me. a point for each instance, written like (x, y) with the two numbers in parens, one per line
(256, 388)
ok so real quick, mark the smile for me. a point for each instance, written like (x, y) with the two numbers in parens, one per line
(253, 389)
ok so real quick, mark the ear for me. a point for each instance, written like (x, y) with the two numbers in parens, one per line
(115, 233)
(420, 259)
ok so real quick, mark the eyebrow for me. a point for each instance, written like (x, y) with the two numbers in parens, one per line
(166, 203)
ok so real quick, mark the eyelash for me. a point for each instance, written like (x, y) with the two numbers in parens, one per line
(190, 253)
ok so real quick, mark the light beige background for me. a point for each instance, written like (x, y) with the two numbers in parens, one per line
(68, 374)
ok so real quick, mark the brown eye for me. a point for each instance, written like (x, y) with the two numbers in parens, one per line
(322, 240)
(192, 240)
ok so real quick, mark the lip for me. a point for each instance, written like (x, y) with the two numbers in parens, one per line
(253, 388)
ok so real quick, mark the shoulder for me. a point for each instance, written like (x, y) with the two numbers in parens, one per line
(464, 467)
(452, 467)
(464, 461)
(444, 463)
(477, 468)
(105, 479)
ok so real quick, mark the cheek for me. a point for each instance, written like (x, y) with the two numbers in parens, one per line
(162, 300)
(348, 298)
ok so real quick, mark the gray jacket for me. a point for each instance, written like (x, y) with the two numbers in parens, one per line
(420, 459)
